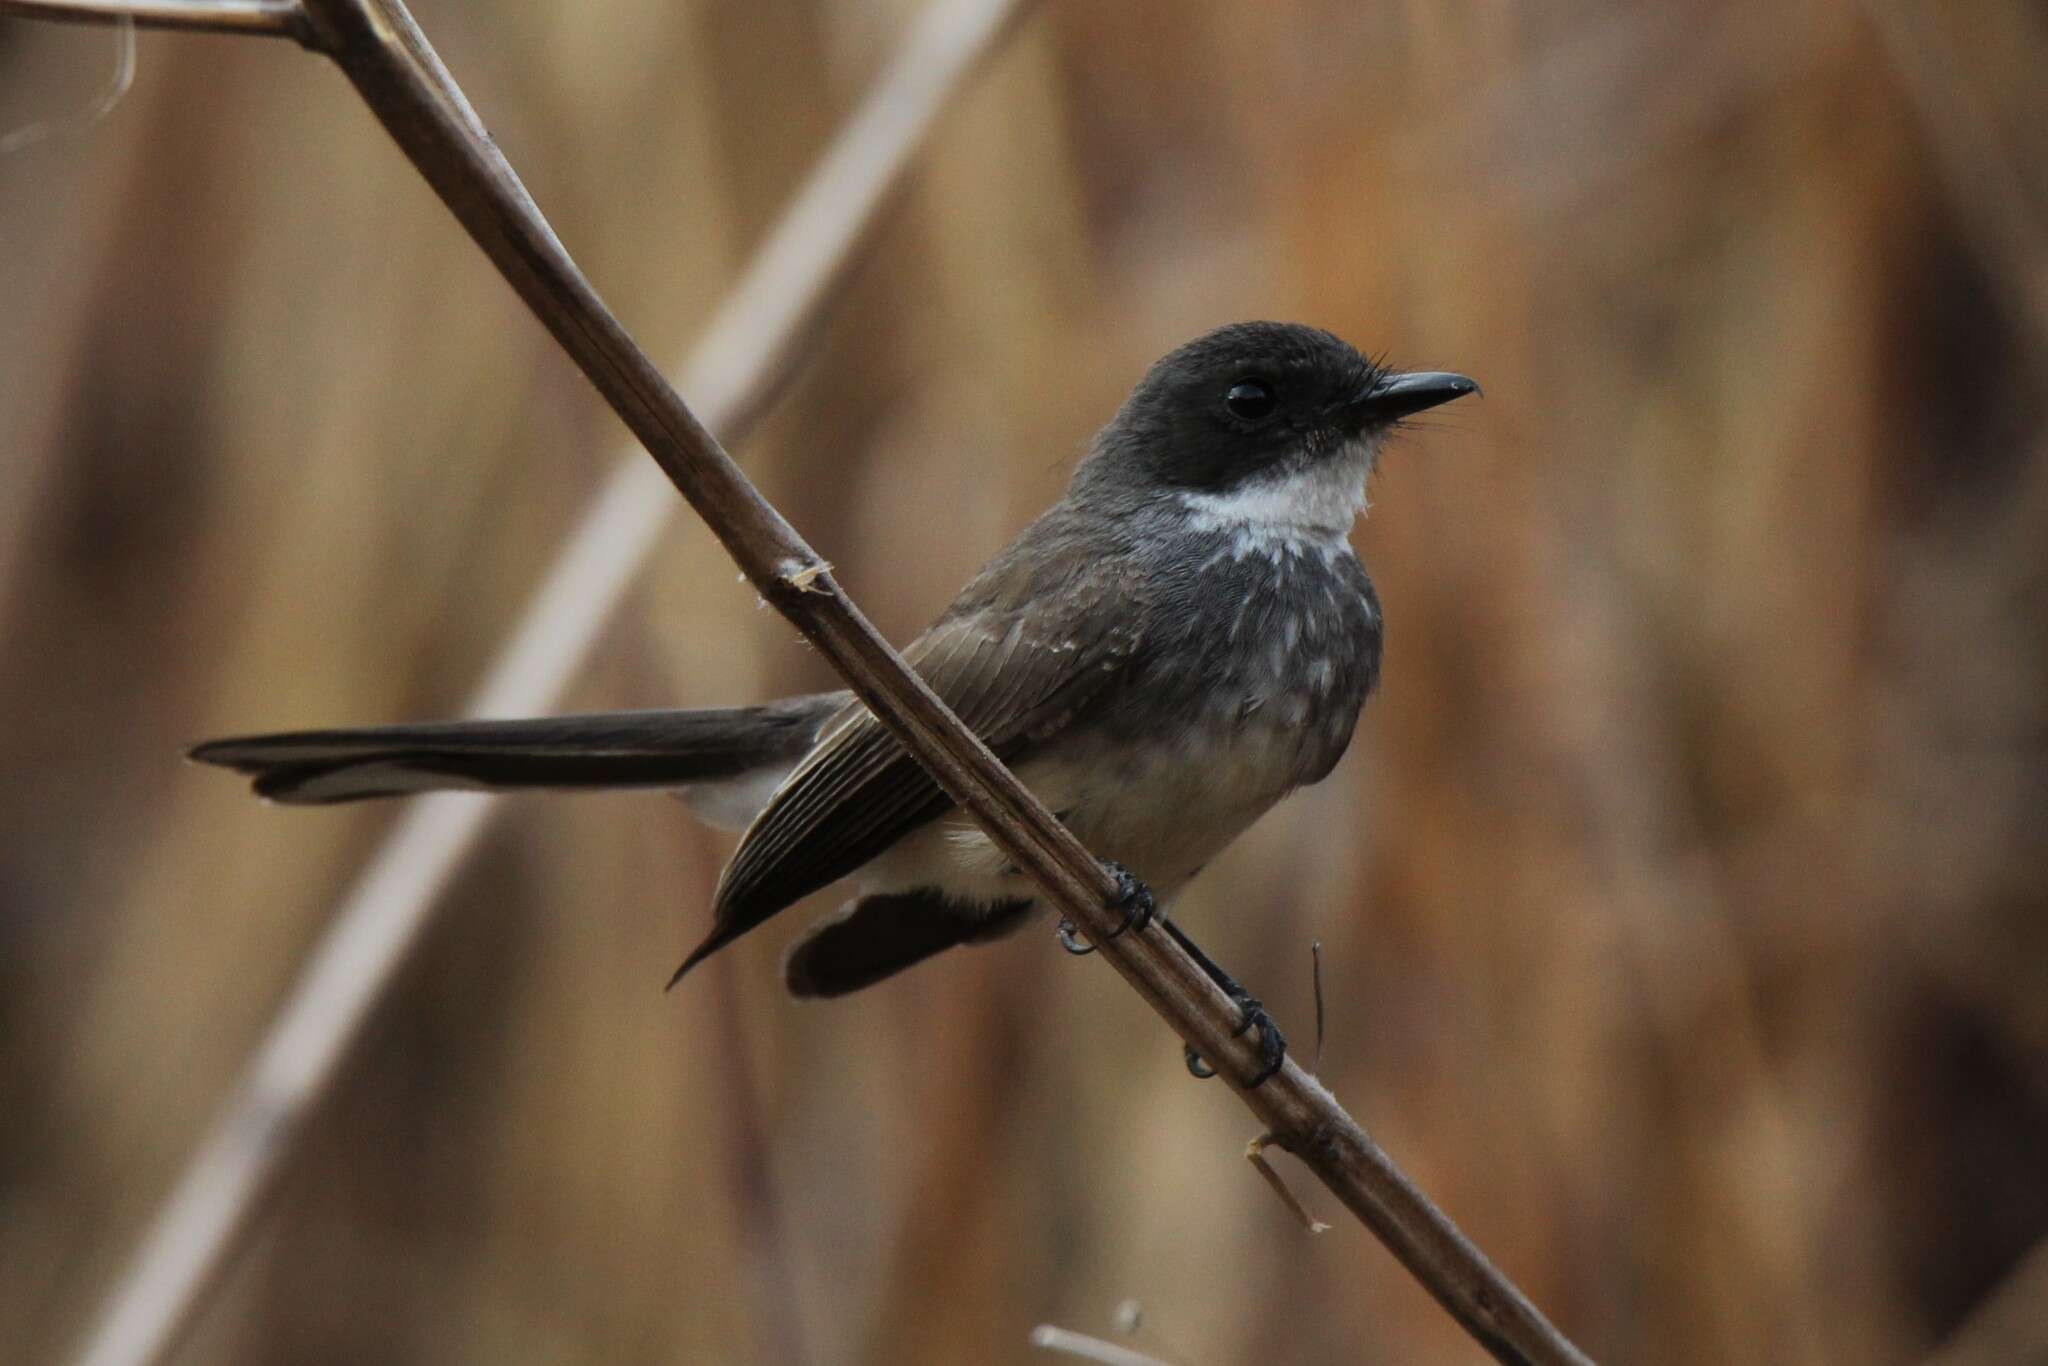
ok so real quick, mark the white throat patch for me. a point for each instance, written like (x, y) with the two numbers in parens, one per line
(1309, 509)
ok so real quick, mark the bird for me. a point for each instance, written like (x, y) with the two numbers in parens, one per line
(1182, 639)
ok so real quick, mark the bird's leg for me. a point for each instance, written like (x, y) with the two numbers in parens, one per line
(1140, 909)
(1272, 1043)
(1133, 898)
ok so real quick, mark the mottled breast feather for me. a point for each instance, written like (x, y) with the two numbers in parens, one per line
(1274, 635)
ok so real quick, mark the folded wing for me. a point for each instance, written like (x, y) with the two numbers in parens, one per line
(1018, 662)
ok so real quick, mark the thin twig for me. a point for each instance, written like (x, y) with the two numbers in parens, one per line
(1255, 1153)
(1315, 956)
(1047, 1337)
(388, 59)
(743, 357)
(266, 18)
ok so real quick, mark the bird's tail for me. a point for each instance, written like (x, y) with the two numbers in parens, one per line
(725, 758)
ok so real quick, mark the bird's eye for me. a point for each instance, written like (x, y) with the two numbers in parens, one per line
(1250, 399)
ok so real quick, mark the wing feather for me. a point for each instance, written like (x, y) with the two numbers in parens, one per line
(1017, 660)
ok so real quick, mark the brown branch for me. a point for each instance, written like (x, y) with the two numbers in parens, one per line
(387, 58)
(273, 18)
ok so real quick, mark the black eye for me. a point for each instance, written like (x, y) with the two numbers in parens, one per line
(1250, 399)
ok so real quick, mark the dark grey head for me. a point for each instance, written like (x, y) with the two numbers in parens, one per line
(1257, 403)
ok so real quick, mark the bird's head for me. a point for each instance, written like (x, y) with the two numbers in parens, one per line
(1262, 408)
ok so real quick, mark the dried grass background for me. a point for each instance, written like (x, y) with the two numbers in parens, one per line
(1682, 897)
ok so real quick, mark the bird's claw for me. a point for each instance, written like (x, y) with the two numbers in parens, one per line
(1272, 1044)
(1133, 898)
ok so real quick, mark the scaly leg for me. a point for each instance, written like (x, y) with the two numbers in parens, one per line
(1140, 910)
(1272, 1043)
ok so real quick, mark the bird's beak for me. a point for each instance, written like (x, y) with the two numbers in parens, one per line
(1396, 396)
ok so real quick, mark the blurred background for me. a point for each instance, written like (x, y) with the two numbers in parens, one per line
(1682, 897)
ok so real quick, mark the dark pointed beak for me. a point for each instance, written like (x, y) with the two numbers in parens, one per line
(1396, 396)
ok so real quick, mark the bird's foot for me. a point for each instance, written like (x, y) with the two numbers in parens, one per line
(1272, 1043)
(1132, 897)
(1251, 1016)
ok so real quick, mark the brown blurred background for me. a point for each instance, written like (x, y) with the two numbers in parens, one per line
(1682, 896)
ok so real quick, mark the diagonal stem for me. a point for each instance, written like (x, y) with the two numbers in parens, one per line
(391, 65)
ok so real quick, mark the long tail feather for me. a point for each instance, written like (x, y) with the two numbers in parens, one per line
(635, 749)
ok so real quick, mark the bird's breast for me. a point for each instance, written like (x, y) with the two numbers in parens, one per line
(1273, 646)
(1248, 686)
(1251, 689)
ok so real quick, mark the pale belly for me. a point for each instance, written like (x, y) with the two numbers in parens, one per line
(1162, 811)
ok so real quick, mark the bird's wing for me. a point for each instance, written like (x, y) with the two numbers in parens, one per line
(1017, 665)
